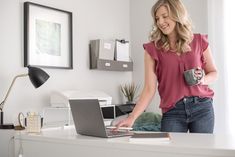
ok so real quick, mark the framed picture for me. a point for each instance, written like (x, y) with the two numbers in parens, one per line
(47, 37)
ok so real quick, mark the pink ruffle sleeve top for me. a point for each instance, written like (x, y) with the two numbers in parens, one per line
(169, 69)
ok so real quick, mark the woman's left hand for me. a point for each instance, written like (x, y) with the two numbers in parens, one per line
(199, 74)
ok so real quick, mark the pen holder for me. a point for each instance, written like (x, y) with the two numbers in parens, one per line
(33, 123)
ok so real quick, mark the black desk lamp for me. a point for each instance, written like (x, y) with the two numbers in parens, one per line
(37, 77)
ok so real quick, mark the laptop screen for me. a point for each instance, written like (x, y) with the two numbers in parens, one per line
(88, 118)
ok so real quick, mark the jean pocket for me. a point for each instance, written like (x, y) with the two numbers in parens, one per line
(204, 103)
(204, 100)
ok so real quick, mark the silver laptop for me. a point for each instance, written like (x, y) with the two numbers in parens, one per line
(88, 119)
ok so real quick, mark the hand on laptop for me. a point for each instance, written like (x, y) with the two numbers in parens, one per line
(127, 122)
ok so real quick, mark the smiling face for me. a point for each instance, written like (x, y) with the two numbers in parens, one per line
(164, 21)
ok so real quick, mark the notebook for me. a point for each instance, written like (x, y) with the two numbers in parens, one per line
(88, 119)
(150, 136)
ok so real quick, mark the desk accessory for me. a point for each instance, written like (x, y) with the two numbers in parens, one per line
(33, 123)
(130, 91)
(122, 50)
(150, 136)
(21, 120)
(37, 77)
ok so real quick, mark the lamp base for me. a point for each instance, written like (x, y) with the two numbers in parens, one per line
(7, 126)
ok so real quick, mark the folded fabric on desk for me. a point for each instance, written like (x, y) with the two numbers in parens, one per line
(148, 121)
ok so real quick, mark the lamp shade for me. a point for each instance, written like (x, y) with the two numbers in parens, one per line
(37, 76)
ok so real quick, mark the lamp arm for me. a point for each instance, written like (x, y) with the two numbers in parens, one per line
(8, 91)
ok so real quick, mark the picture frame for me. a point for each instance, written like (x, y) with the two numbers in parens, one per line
(47, 37)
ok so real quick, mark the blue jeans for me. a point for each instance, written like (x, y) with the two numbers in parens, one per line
(192, 114)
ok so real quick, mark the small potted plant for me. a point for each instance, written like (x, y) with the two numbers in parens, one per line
(129, 90)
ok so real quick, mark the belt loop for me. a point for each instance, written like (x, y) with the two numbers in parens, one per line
(195, 99)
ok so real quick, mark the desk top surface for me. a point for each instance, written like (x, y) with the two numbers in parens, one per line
(205, 143)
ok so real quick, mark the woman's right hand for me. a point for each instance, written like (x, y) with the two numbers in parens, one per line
(128, 122)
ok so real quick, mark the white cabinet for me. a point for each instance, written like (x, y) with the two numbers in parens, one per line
(6, 143)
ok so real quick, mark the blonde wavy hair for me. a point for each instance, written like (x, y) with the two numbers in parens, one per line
(178, 13)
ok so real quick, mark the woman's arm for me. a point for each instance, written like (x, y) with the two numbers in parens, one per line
(146, 95)
(149, 87)
(210, 69)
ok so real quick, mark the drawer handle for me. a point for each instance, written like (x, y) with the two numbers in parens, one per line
(107, 64)
(125, 66)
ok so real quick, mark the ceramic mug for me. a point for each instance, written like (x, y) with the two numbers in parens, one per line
(190, 78)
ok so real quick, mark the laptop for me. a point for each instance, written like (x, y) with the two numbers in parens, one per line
(88, 119)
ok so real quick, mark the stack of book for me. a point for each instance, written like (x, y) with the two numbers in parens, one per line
(150, 137)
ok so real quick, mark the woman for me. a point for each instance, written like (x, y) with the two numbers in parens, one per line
(172, 50)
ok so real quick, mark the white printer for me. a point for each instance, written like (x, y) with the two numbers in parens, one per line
(61, 98)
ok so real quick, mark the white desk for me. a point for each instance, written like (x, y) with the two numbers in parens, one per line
(66, 143)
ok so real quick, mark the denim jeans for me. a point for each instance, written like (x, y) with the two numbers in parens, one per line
(192, 114)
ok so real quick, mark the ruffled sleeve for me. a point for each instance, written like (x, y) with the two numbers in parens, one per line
(204, 42)
(151, 50)
(204, 46)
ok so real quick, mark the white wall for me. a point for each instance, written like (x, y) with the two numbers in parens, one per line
(141, 24)
(108, 19)
(216, 31)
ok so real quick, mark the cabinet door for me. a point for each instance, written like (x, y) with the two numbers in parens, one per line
(6, 143)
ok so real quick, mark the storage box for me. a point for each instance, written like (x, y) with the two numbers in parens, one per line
(122, 50)
(102, 49)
